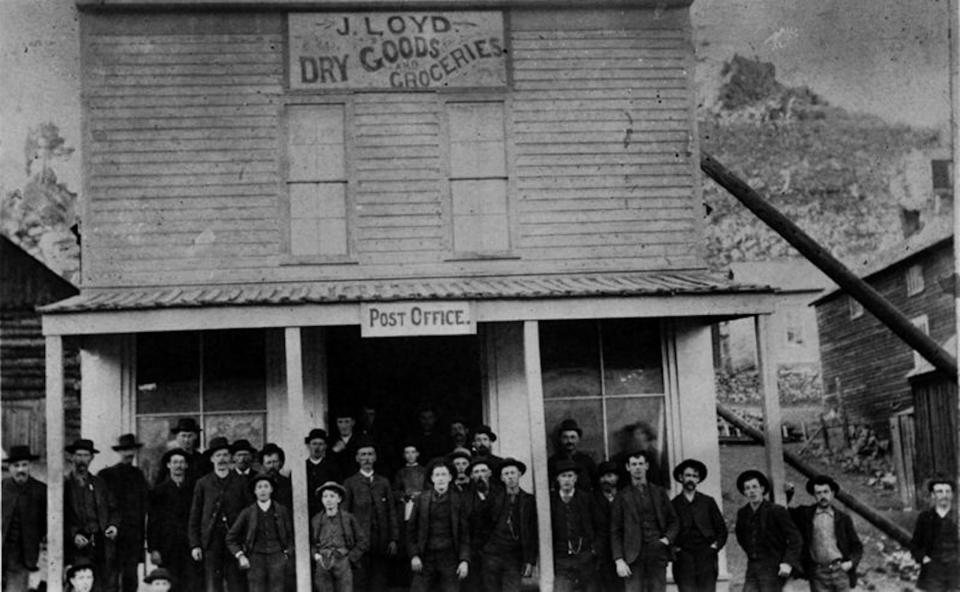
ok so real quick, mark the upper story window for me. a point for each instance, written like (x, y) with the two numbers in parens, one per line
(478, 178)
(923, 323)
(914, 279)
(855, 308)
(794, 329)
(317, 180)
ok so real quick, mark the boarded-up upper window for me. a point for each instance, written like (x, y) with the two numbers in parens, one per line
(478, 177)
(317, 180)
(914, 279)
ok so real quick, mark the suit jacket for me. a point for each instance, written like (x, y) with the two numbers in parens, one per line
(242, 535)
(925, 532)
(169, 519)
(848, 542)
(353, 536)
(318, 474)
(702, 512)
(210, 500)
(587, 513)
(604, 509)
(108, 514)
(626, 538)
(527, 506)
(778, 537)
(129, 488)
(372, 505)
(419, 531)
(33, 524)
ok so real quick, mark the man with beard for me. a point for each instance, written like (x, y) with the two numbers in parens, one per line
(935, 544)
(169, 520)
(321, 468)
(568, 440)
(459, 433)
(702, 531)
(218, 498)
(511, 549)
(24, 521)
(483, 439)
(478, 496)
(243, 454)
(187, 434)
(576, 539)
(606, 493)
(767, 535)
(129, 487)
(272, 458)
(831, 547)
(438, 540)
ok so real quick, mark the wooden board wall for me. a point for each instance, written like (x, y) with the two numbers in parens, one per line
(184, 145)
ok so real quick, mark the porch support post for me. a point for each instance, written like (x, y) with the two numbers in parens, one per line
(767, 369)
(55, 438)
(296, 427)
(538, 450)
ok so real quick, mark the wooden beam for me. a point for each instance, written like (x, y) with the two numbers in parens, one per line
(55, 446)
(296, 427)
(538, 450)
(767, 369)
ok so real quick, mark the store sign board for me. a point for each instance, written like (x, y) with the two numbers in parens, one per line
(396, 50)
(408, 319)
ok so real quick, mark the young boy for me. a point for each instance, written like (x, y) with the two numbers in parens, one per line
(262, 537)
(337, 541)
(160, 580)
(80, 575)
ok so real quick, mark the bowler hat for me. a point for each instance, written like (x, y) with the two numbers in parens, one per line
(941, 480)
(607, 466)
(333, 486)
(690, 463)
(215, 444)
(485, 429)
(159, 573)
(459, 453)
(512, 462)
(272, 448)
(20, 452)
(314, 434)
(565, 465)
(82, 444)
(569, 425)
(79, 564)
(822, 480)
(127, 442)
(242, 444)
(752, 474)
(186, 424)
(481, 460)
(171, 453)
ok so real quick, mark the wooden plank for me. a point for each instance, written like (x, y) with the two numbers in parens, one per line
(571, 200)
(183, 156)
(297, 424)
(772, 419)
(625, 219)
(677, 171)
(176, 196)
(524, 88)
(614, 115)
(55, 463)
(640, 240)
(636, 181)
(612, 161)
(225, 215)
(218, 89)
(98, 182)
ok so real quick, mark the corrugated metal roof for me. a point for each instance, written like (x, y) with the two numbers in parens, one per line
(478, 288)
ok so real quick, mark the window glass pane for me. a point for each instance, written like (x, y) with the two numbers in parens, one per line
(569, 358)
(234, 426)
(589, 416)
(639, 423)
(632, 360)
(155, 434)
(234, 371)
(168, 372)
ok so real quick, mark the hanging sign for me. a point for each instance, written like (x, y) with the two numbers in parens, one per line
(405, 319)
(396, 50)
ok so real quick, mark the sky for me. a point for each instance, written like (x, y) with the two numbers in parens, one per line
(885, 57)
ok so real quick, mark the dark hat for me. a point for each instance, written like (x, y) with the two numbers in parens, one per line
(459, 453)
(218, 443)
(127, 442)
(569, 425)
(941, 480)
(159, 573)
(749, 474)
(365, 441)
(314, 434)
(485, 429)
(262, 477)
(79, 564)
(20, 452)
(511, 462)
(332, 485)
(607, 466)
(439, 462)
(242, 444)
(691, 463)
(822, 480)
(272, 448)
(481, 460)
(171, 453)
(565, 465)
(186, 424)
(82, 444)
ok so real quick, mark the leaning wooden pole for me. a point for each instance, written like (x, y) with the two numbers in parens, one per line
(869, 514)
(871, 300)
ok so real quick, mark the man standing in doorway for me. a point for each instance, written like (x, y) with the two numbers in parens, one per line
(483, 439)
(568, 442)
(643, 528)
(187, 434)
(129, 487)
(169, 521)
(24, 521)
(702, 531)
(767, 535)
(272, 458)
(344, 446)
(831, 546)
(321, 468)
(935, 540)
(511, 549)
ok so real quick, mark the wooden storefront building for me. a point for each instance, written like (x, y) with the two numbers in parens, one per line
(490, 207)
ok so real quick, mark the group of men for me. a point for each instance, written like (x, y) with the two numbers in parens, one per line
(216, 521)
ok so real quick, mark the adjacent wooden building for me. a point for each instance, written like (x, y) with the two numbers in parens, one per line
(490, 207)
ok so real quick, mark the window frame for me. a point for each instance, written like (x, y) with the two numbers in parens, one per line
(913, 278)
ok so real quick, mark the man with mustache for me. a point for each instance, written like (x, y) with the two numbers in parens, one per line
(935, 542)
(767, 535)
(129, 487)
(604, 496)
(831, 546)
(702, 531)
(24, 521)
(169, 519)
(568, 442)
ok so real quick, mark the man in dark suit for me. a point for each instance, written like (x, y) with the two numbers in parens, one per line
(576, 538)
(321, 468)
(511, 549)
(24, 521)
(767, 535)
(344, 446)
(370, 499)
(243, 454)
(438, 540)
(606, 493)
(187, 434)
(568, 441)
(643, 528)
(478, 497)
(218, 498)
(169, 520)
(702, 534)
(831, 547)
(272, 458)
(129, 487)
(91, 517)
(935, 543)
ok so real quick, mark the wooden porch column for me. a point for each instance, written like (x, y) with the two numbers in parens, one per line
(296, 428)
(766, 367)
(538, 450)
(55, 445)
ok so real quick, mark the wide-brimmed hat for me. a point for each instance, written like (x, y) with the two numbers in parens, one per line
(511, 462)
(941, 480)
(822, 480)
(749, 474)
(314, 434)
(262, 477)
(82, 444)
(607, 466)
(159, 573)
(186, 424)
(80, 563)
(481, 460)
(20, 452)
(569, 425)
(272, 448)
(241, 445)
(215, 444)
(332, 485)
(691, 463)
(459, 453)
(484, 429)
(127, 442)
(565, 465)
(174, 452)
